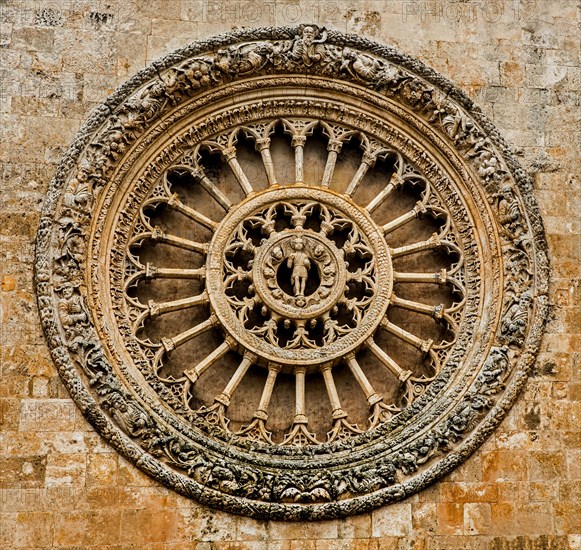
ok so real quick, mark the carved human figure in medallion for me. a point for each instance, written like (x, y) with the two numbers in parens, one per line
(300, 264)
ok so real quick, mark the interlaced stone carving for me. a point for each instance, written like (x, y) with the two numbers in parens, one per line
(300, 275)
(291, 273)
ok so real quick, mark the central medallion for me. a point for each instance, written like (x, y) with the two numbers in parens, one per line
(299, 275)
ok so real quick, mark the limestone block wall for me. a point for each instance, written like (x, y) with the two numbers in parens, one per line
(62, 487)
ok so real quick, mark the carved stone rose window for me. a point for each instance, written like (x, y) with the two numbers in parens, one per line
(292, 273)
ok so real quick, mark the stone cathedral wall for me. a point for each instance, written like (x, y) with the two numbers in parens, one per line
(61, 486)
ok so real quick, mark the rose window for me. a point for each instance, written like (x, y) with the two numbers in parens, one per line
(291, 273)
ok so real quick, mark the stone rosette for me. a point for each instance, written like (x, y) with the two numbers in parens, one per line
(288, 306)
(193, 94)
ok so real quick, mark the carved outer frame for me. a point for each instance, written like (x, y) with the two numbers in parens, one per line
(83, 366)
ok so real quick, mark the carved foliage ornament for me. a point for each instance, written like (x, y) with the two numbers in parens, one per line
(291, 273)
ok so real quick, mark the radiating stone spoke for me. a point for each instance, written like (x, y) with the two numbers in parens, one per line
(162, 195)
(158, 235)
(225, 144)
(298, 143)
(366, 163)
(263, 146)
(247, 361)
(426, 346)
(387, 361)
(262, 411)
(394, 182)
(300, 417)
(299, 434)
(230, 155)
(402, 334)
(200, 176)
(153, 272)
(331, 388)
(337, 136)
(154, 309)
(209, 186)
(400, 221)
(175, 203)
(440, 277)
(150, 272)
(372, 150)
(299, 130)
(433, 242)
(171, 343)
(159, 308)
(437, 312)
(194, 373)
(380, 411)
(370, 394)
(257, 427)
(333, 147)
(260, 133)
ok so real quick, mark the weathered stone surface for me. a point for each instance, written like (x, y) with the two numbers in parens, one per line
(525, 60)
(297, 278)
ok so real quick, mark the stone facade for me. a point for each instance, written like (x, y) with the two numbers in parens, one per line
(63, 487)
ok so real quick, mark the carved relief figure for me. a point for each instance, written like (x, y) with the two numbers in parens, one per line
(509, 215)
(508, 211)
(515, 320)
(359, 66)
(71, 307)
(130, 418)
(368, 69)
(300, 264)
(307, 48)
(73, 315)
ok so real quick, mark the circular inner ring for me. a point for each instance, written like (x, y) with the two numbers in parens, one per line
(299, 274)
(290, 268)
